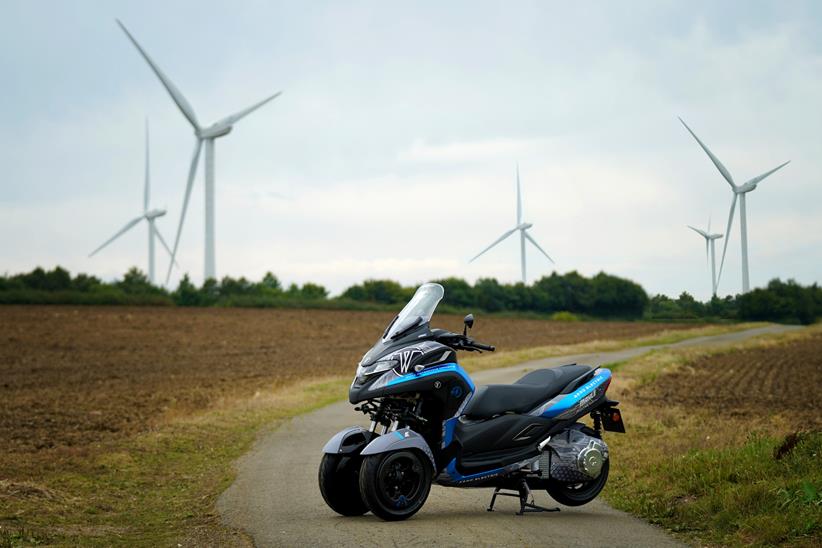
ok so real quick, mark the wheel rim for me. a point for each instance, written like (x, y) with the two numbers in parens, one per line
(583, 491)
(400, 479)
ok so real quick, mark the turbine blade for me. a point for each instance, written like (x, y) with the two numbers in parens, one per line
(229, 120)
(533, 241)
(722, 169)
(519, 200)
(758, 178)
(147, 176)
(700, 232)
(119, 233)
(176, 95)
(498, 240)
(165, 245)
(191, 173)
(727, 237)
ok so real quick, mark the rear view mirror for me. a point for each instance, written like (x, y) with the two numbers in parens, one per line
(469, 323)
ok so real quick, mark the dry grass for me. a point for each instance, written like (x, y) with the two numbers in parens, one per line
(704, 428)
(152, 488)
(504, 358)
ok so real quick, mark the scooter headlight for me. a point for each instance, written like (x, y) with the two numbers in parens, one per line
(377, 367)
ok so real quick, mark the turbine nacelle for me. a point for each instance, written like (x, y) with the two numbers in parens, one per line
(745, 188)
(154, 213)
(524, 226)
(213, 131)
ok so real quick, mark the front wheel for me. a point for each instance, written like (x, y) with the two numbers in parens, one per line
(578, 494)
(339, 484)
(395, 485)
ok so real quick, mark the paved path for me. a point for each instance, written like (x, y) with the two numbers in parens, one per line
(275, 497)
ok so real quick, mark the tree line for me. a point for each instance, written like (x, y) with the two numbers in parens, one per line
(602, 296)
(565, 296)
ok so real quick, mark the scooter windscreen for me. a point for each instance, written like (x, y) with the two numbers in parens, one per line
(413, 318)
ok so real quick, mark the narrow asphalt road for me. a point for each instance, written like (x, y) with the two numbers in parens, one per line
(275, 498)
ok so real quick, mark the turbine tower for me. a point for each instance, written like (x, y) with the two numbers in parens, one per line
(202, 134)
(710, 249)
(739, 192)
(522, 227)
(149, 215)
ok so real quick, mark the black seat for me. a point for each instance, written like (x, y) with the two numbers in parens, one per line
(524, 395)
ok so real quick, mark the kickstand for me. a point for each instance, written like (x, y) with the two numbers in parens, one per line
(526, 500)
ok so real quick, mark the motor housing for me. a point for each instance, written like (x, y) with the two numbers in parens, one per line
(574, 456)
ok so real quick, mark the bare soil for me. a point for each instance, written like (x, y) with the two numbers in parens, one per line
(72, 377)
(753, 382)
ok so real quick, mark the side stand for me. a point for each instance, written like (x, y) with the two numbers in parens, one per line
(526, 500)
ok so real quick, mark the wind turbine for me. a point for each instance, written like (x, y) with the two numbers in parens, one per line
(710, 239)
(149, 215)
(208, 134)
(739, 192)
(522, 227)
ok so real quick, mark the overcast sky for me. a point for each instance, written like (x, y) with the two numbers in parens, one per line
(392, 150)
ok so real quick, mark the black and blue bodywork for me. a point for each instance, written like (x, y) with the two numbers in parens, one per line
(420, 399)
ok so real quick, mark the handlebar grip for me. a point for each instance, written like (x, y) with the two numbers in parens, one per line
(488, 347)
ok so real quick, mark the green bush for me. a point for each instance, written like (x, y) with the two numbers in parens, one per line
(782, 302)
(564, 316)
(378, 291)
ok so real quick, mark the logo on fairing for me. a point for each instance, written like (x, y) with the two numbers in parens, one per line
(587, 399)
(406, 357)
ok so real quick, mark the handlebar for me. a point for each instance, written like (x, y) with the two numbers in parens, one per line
(480, 346)
(458, 341)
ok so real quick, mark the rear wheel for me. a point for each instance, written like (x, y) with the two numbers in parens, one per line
(578, 494)
(339, 484)
(395, 485)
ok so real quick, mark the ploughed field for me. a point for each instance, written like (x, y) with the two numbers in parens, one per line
(748, 382)
(71, 377)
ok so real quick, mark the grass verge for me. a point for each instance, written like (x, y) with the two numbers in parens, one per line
(717, 478)
(737, 495)
(155, 489)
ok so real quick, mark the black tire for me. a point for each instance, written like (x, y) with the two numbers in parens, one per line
(580, 493)
(395, 485)
(340, 485)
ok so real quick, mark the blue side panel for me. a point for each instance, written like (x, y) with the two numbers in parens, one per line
(456, 477)
(445, 368)
(448, 435)
(562, 404)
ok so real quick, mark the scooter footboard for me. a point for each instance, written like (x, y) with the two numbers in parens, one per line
(405, 438)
